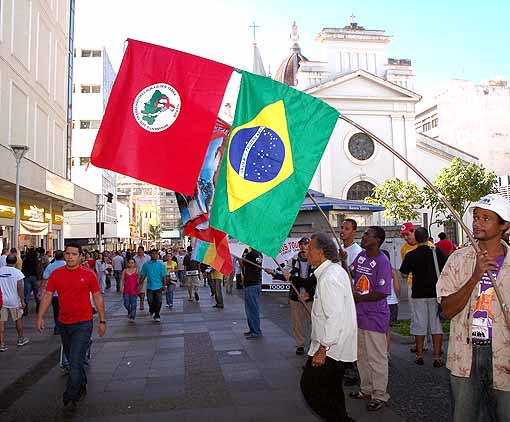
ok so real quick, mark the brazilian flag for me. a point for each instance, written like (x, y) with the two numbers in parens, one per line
(276, 142)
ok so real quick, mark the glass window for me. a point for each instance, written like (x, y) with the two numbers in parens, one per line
(84, 124)
(361, 147)
(84, 161)
(360, 190)
(86, 53)
(85, 89)
(96, 89)
(96, 53)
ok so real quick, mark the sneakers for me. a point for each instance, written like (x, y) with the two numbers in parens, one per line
(197, 298)
(3, 348)
(157, 319)
(168, 306)
(300, 351)
(22, 341)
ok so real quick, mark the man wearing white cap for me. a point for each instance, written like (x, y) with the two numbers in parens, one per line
(479, 345)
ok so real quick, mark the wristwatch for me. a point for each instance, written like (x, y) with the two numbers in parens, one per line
(102, 322)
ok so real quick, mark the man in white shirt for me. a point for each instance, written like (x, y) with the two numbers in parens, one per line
(118, 266)
(334, 332)
(11, 284)
(347, 233)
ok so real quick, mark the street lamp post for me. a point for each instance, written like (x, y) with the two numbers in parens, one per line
(19, 152)
(99, 209)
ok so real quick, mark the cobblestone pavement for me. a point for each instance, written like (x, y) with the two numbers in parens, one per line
(197, 366)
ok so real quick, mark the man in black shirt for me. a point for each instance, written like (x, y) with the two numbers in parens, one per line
(425, 263)
(252, 286)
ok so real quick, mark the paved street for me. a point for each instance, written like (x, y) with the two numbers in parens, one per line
(196, 365)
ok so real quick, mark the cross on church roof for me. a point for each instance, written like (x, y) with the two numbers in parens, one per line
(254, 26)
(353, 18)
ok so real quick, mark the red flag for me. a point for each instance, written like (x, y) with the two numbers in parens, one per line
(160, 115)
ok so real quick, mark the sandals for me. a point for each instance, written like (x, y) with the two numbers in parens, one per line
(359, 395)
(438, 363)
(375, 404)
(419, 361)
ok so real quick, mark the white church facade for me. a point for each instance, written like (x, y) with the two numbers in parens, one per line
(358, 79)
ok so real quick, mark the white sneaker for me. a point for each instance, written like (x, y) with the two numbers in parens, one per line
(3, 348)
(22, 341)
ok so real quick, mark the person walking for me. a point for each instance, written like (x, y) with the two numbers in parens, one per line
(11, 286)
(101, 271)
(31, 269)
(191, 280)
(118, 266)
(153, 275)
(478, 351)
(57, 263)
(180, 266)
(334, 332)
(252, 289)
(140, 259)
(425, 313)
(74, 284)
(129, 288)
(171, 280)
(217, 280)
(372, 276)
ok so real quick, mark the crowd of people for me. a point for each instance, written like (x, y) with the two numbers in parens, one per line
(343, 301)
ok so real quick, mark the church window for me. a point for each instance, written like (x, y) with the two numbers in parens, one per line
(360, 190)
(361, 147)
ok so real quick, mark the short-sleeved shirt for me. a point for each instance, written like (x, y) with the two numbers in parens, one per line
(252, 274)
(171, 268)
(140, 260)
(352, 252)
(372, 274)
(190, 264)
(420, 262)
(73, 287)
(9, 277)
(52, 267)
(447, 246)
(154, 271)
(117, 263)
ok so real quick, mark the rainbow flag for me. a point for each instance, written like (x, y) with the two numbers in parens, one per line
(206, 252)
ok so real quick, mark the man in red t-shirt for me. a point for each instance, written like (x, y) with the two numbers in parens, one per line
(446, 245)
(74, 283)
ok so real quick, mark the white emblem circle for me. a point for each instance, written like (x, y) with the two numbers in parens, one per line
(156, 111)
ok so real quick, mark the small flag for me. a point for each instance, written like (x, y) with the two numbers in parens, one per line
(160, 115)
(277, 140)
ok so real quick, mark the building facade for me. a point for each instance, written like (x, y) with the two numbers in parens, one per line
(472, 117)
(36, 39)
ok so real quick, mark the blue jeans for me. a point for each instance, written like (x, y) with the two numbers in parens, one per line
(170, 294)
(252, 308)
(31, 284)
(76, 341)
(130, 305)
(180, 277)
(474, 395)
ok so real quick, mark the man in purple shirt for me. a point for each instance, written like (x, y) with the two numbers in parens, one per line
(372, 277)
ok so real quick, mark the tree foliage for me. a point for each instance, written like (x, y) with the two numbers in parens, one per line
(460, 183)
(154, 232)
(401, 199)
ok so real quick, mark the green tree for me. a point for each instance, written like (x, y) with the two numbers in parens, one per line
(461, 184)
(154, 232)
(401, 199)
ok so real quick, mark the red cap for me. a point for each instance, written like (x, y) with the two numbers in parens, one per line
(406, 228)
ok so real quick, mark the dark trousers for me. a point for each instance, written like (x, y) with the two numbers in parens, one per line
(117, 274)
(154, 297)
(322, 389)
(31, 284)
(56, 309)
(75, 341)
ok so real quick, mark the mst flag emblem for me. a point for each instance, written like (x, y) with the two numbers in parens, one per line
(157, 107)
(259, 156)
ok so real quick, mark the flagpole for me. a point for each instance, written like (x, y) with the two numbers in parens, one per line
(309, 313)
(342, 256)
(504, 306)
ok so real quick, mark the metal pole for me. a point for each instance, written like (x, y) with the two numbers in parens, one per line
(456, 216)
(17, 217)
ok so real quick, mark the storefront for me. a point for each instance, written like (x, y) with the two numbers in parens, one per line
(40, 225)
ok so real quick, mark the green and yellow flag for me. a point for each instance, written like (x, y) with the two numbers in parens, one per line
(277, 140)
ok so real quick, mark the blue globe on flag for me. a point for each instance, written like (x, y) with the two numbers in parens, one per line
(257, 154)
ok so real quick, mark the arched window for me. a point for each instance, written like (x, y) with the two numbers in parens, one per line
(361, 147)
(360, 190)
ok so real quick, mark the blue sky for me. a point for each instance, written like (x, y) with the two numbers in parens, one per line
(444, 39)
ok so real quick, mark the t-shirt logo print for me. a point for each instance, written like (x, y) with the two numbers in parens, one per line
(156, 107)
(363, 285)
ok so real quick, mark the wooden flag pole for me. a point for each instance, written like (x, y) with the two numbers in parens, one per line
(504, 306)
(309, 311)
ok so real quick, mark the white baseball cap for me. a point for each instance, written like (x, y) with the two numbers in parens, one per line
(496, 203)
